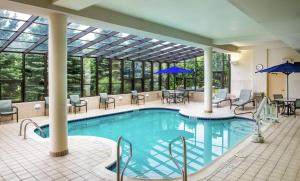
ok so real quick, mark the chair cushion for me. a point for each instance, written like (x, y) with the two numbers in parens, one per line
(7, 113)
(75, 99)
(5, 106)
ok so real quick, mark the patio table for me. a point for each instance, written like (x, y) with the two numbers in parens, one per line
(289, 105)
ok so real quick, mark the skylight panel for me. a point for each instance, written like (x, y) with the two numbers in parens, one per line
(35, 28)
(78, 26)
(42, 20)
(71, 32)
(20, 45)
(122, 35)
(14, 15)
(28, 37)
(154, 40)
(5, 35)
(90, 36)
(12, 25)
(78, 43)
(127, 42)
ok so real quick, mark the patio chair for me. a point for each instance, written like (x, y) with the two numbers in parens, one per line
(245, 98)
(183, 97)
(46, 105)
(136, 98)
(76, 102)
(106, 100)
(220, 97)
(7, 109)
(166, 96)
(278, 103)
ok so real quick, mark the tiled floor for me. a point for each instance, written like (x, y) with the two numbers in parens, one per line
(277, 159)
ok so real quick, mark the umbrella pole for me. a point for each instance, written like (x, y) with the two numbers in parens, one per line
(287, 85)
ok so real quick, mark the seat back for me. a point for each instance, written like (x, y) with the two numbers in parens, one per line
(5, 106)
(222, 94)
(46, 101)
(134, 93)
(103, 97)
(297, 104)
(75, 99)
(165, 94)
(277, 96)
(245, 95)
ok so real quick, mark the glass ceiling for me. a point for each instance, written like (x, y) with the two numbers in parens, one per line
(29, 34)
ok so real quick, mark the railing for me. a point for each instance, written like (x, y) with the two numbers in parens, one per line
(30, 121)
(120, 173)
(184, 169)
(263, 112)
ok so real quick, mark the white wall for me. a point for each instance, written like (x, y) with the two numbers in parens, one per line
(241, 73)
(244, 76)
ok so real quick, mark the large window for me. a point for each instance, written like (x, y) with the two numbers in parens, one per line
(35, 73)
(147, 76)
(103, 71)
(189, 78)
(11, 76)
(138, 74)
(127, 74)
(23, 77)
(116, 77)
(155, 76)
(74, 75)
(89, 77)
(221, 70)
(164, 78)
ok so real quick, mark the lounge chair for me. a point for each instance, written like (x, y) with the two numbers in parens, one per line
(220, 97)
(245, 98)
(76, 102)
(106, 100)
(136, 98)
(7, 109)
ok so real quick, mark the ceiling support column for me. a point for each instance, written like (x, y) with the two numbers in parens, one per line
(58, 85)
(208, 80)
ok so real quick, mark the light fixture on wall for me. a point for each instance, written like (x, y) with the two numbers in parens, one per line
(234, 58)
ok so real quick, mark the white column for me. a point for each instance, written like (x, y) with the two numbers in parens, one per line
(208, 80)
(58, 84)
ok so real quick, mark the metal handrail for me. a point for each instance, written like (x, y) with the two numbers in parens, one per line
(120, 173)
(25, 127)
(184, 169)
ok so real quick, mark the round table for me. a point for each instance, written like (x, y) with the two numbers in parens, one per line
(288, 105)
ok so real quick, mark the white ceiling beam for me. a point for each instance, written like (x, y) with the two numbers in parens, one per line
(75, 4)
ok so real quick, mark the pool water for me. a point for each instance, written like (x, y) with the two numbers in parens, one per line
(151, 130)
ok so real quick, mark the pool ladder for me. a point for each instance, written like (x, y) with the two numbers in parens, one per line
(184, 169)
(120, 173)
(30, 121)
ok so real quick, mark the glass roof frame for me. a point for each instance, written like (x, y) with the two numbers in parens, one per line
(29, 34)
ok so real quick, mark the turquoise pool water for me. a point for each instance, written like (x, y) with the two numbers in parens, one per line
(151, 130)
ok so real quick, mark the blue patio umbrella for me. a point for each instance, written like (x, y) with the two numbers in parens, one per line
(286, 68)
(174, 70)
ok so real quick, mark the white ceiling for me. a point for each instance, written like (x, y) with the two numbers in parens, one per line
(216, 19)
(281, 17)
